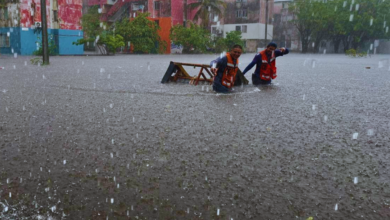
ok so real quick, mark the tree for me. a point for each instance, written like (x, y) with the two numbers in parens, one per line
(302, 11)
(352, 23)
(205, 8)
(142, 33)
(226, 44)
(194, 38)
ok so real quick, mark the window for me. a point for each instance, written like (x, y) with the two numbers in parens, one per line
(214, 30)
(157, 5)
(4, 40)
(5, 13)
(241, 13)
(55, 16)
(238, 28)
(244, 28)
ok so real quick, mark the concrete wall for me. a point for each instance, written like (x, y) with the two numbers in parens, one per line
(254, 30)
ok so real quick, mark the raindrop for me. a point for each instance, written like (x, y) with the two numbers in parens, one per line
(112, 200)
(217, 211)
(53, 209)
(336, 207)
(109, 76)
(351, 17)
(117, 186)
(313, 64)
(39, 63)
(104, 109)
(64, 162)
(214, 65)
(314, 107)
(355, 180)
(371, 46)
(355, 136)
(384, 24)
(47, 189)
(371, 21)
(25, 63)
(344, 4)
(6, 109)
(207, 88)
(68, 87)
(231, 117)
(133, 119)
(313, 44)
(137, 135)
(43, 76)
(357, 7)
(325, 118)
(148, 65)
(15, 55)
(112, 155)
(7, 180)
(387, 29)
(21, 180)
(380, 64)
(202, 88)
(335, 8)
(14, 67)
(10, 194)
(324, 51)
(101, 70)
(111, 105)
(205, 178)
(78, 71)
(82, 63)
(370, 132)
(112, 141)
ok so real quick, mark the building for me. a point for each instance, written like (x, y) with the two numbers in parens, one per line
(20, 26)
(164, 12)
(285, 34)
(249, 17)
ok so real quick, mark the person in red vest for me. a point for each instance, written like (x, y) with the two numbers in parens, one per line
(225, 70)
(265, 64)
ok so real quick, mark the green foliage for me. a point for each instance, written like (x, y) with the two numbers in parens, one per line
(232, 38)
(52, 47)
(225, 44)
(194, 38)
(142, 33)
(36, 60)
(112, 42)
(354, 53)
(340, 21)
(90, 23)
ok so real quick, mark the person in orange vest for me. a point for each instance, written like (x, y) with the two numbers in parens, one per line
(265, 64)
(225, 70)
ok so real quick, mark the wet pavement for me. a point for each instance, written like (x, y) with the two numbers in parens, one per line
(101, 138)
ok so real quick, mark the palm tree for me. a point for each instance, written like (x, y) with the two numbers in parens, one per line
(205, 8)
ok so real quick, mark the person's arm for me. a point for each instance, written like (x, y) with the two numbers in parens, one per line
(281, 51)
(249, 67)
(215, 64)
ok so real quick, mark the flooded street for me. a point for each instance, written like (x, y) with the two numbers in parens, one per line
(101, 138)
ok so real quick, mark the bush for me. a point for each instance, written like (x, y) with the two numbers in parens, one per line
(194, 38)
(52, 48)
(354, 53)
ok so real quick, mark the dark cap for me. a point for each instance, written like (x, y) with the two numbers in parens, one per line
(272, 44)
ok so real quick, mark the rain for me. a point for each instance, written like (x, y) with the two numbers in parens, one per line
(98, 136)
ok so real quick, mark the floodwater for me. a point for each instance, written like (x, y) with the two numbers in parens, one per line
(102, 138)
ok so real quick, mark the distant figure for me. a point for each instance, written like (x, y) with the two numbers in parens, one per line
(225, 70)
(265, 64)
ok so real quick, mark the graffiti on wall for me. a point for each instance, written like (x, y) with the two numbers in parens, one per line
(31, 12)
(69, 14)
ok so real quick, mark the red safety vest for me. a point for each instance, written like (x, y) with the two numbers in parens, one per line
(229, 74)
(267, 70)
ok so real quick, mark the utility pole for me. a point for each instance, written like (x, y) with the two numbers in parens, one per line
(266, 23)
(45, 42)
(185, 13)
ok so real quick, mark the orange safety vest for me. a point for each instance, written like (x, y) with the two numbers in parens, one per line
(229, 74)
(267, 70)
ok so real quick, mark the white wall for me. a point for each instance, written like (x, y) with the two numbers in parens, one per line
(254, 30)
